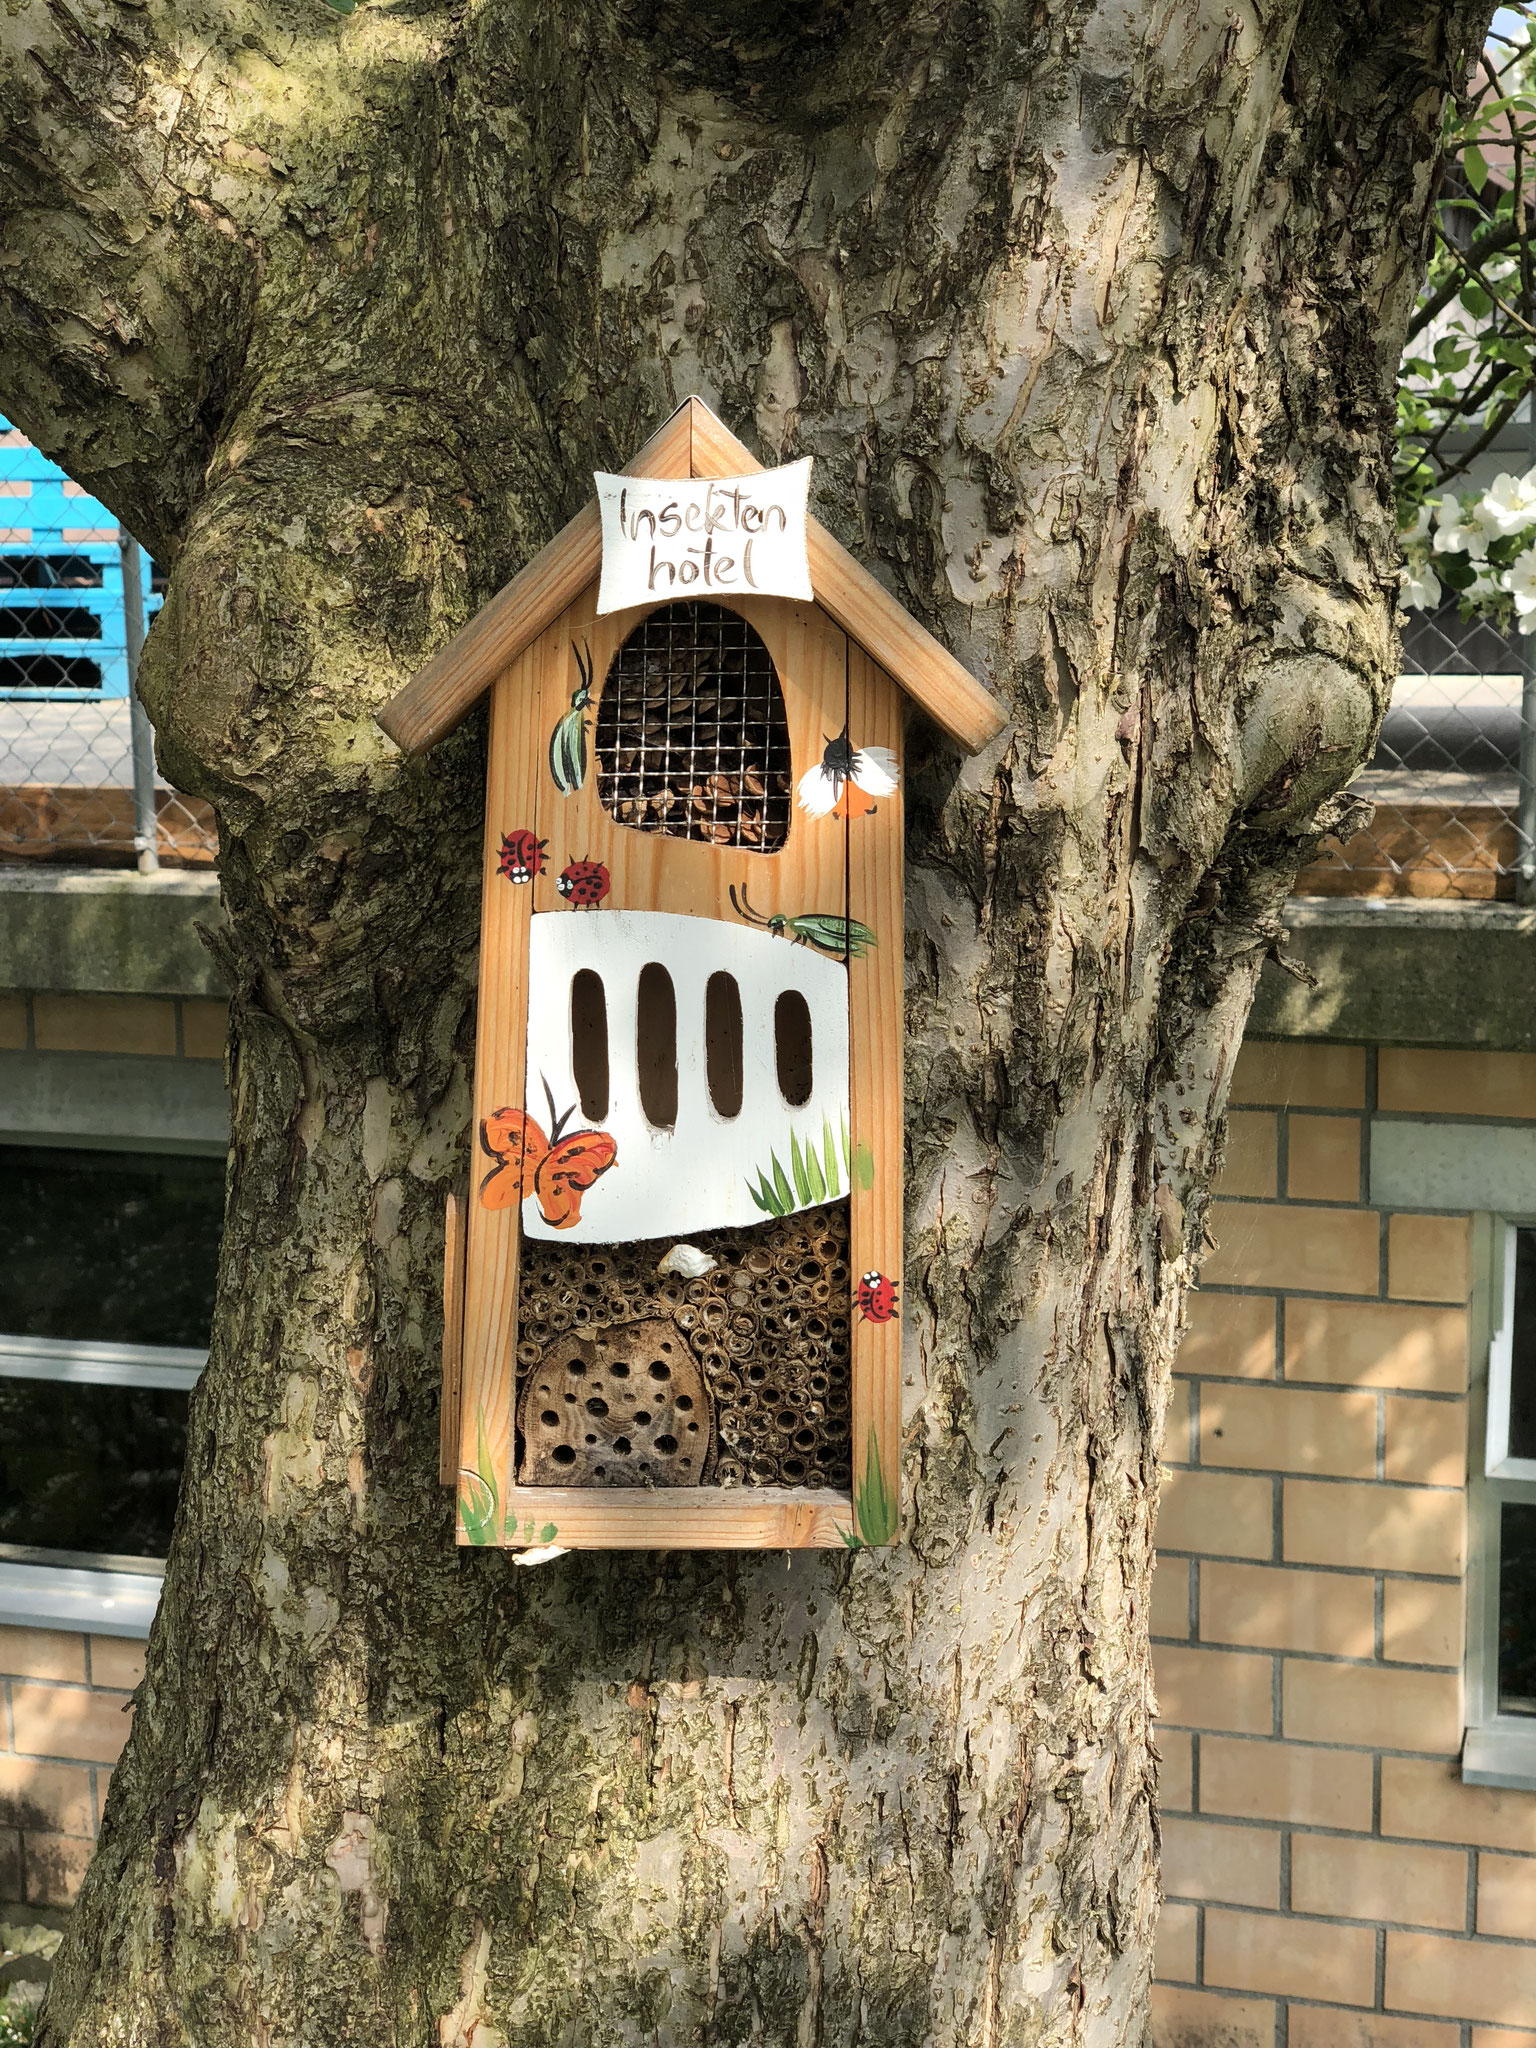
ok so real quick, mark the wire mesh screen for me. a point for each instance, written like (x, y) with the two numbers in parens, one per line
(1451, 777)
(692, 739)
(66, 725)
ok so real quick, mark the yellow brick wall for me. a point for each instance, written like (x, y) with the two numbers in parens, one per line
(67, 1700)
(67, 1696)
(1331, 1882)
(163, 1026)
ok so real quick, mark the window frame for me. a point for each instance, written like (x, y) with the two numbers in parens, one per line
(94, 1592)
(1500, 1748)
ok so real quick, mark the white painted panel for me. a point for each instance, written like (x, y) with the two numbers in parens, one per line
(700, 1174)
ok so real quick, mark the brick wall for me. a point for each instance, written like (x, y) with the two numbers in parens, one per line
(66, 1696)
(167, 1026)
(66, 1702)
(1331, 1882)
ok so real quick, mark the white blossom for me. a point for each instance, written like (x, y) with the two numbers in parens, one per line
(1455, 535)
(1420, 527)
(1519, 579)
(1508, 505)
(1420, 587)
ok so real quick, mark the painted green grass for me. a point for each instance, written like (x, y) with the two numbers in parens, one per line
(479, 1496)
(820, 1169)
(874, 1504)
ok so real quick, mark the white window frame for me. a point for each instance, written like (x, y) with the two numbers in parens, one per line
(104, 1596)
(1500, 1749)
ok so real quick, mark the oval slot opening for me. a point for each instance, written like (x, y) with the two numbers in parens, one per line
(722, 1043)
(792, 1046)
(656, 1046)
(589, 1043)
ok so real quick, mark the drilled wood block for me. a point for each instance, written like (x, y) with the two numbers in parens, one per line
(626, 1406)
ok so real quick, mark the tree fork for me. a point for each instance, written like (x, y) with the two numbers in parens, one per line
(1090, 314)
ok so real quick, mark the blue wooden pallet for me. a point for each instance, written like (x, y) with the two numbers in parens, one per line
(61, 584)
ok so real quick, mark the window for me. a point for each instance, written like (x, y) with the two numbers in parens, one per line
(106, 1291)
(692, 740)
(1501, 1742)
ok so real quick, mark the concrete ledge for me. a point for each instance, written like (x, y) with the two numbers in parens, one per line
(1421, 1165)
(105, 1603)
(113, 1100)
(107, 931)
(1392, 972)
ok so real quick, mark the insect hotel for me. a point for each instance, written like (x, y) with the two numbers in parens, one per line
(673, 1289)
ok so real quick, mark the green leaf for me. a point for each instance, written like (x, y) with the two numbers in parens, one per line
(548, 1533)
(813, 1177)
(864, 1167)
(1475, 164)
(781, 1186)
(1457, 572)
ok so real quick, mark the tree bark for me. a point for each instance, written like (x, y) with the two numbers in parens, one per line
(1090, 312)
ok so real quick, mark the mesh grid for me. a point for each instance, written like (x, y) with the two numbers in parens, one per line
(692, 739)
(1446, 777)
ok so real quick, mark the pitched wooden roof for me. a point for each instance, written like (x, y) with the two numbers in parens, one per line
(692, 443)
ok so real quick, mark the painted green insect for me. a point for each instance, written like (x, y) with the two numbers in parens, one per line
(568, 741)
(823, 929)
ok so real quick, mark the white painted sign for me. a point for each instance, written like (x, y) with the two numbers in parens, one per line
(703, 1169)
(724, 536)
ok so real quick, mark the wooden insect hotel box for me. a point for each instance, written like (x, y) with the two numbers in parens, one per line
(672, 1298)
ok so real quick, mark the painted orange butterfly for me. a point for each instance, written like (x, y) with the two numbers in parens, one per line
(556, 1171)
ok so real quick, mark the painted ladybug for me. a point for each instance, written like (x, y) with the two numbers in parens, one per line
(522, 856)
(877, 1298)
(584, 882)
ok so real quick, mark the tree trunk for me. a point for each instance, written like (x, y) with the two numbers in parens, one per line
(1090, 314)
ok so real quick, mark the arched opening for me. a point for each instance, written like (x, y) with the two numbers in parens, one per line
(656, 1046)
(792, 1046)
(691, 736)
(589, 1043)
(722, 1043)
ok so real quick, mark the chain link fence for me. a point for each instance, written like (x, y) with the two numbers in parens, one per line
(77, 775)
(1453, 777)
